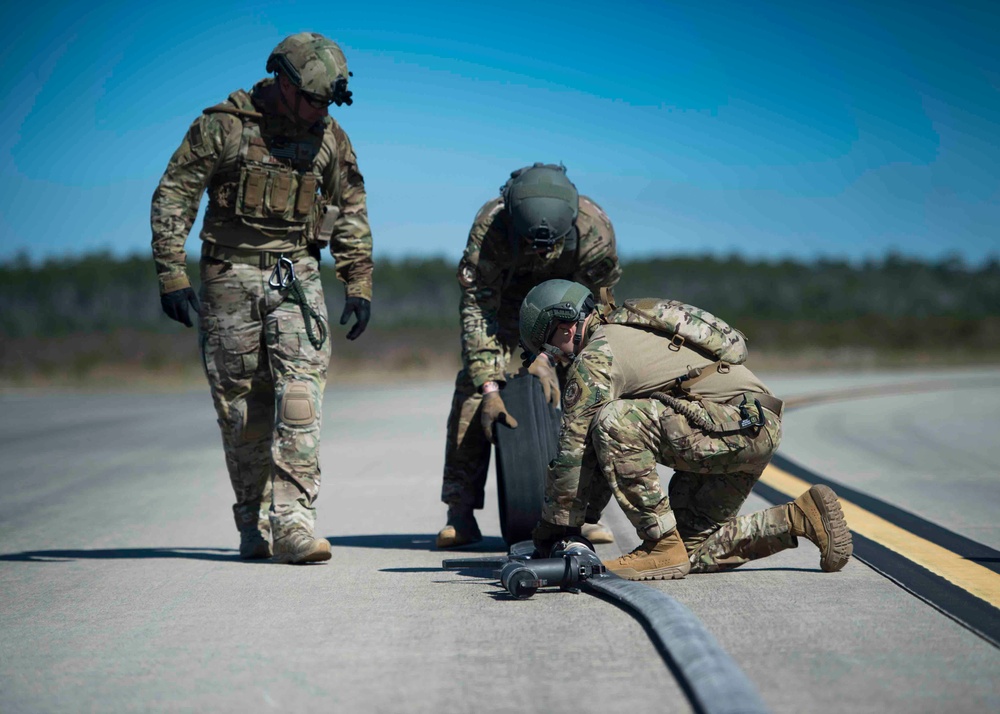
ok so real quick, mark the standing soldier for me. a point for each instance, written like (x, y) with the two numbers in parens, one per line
(282, 183)
(539, 228)
(661, 381)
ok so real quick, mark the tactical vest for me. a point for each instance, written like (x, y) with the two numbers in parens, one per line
(274, 185)
(686, 326)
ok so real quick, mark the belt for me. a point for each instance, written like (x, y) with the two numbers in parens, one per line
(772, 404)
(260, 258)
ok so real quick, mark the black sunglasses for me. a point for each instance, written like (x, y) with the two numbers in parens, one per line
(314, 101)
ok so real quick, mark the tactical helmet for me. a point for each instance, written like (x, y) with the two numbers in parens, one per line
(548, 304)
(315, 65)
(542, 203)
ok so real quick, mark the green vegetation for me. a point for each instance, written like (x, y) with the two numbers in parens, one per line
(76, 316)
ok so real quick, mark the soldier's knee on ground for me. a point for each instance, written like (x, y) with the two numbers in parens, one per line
(297, 404)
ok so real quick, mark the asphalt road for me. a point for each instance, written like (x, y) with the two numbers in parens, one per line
(121, 590)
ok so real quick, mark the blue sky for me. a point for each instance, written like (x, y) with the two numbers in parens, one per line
(768, 129)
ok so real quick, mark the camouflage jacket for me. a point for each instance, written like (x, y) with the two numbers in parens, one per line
(497, 271)
(622, 361)
(210, 157)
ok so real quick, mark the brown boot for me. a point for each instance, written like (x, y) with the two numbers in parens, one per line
(597, 533)
(664, 559)
(297, 547)
(816, 515)
(461, 529)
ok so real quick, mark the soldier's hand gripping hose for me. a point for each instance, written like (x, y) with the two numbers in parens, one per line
(362, 309)
(493, 411)
(175, 305)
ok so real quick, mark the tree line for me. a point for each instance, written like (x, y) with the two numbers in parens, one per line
(99, 293)
(895, 302)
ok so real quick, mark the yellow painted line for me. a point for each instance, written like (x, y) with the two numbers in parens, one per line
(971, 577)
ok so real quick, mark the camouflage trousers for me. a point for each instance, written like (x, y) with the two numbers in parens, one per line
(713, 476)
(466, 451)
(267, 382)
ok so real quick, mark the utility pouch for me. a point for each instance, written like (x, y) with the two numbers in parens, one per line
(330, 216)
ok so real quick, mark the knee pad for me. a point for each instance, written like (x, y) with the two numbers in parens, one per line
(297, 405)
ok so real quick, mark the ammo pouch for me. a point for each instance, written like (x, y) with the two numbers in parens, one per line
(276, 192)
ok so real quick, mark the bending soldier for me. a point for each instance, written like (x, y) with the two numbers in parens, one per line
(657, 381)
(282, 182)
(538, 229)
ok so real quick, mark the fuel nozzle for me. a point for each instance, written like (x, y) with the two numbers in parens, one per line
(571, 562)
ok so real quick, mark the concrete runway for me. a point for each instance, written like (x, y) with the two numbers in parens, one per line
(121, 590)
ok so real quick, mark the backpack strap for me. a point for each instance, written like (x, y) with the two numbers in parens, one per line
(606, 303)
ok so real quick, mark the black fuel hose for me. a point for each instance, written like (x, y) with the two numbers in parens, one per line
(712, 680)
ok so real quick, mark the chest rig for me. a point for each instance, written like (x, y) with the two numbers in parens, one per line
(274, 183)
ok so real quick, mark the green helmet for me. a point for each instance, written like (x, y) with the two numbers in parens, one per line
(542, 203)
(548, 304)
(315, 65)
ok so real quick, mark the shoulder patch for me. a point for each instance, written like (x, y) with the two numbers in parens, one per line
(572, 395)
(195, 136)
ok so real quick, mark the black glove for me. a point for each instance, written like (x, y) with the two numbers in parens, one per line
(362, 309)
(175, 305)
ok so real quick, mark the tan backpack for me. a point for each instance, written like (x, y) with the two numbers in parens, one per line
(686, 325)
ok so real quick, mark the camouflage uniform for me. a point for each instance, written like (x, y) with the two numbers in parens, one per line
(615, 433)
(496, 271)
(268, 184)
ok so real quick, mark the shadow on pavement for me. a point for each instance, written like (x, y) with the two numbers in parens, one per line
(62, 556)
(414, 541)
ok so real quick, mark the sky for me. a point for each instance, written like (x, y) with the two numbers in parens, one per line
(771, 130)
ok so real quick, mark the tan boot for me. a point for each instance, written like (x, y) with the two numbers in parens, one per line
(461, 529)
(817, 516)
(298, 546)
(597, 533)
(664, 559)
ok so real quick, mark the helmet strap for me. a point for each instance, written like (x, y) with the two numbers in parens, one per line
(293, 111)
(557, 355)
(578, 337)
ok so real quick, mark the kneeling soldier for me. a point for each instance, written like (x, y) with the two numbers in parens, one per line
(658, 381)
